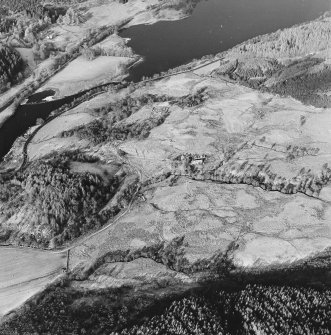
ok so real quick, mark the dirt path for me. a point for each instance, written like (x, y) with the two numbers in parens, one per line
(26, 271)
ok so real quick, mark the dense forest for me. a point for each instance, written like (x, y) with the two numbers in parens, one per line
(7, 23)
(11, 64)
(295, 79)
(252, 309)
(34, 8)
(310, 88)
(63, 204)
(292, 299)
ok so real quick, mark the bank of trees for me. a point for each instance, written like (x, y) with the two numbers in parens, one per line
(109, 126)
(252, 309)
(60, 60)
(91, 53)
(296, 41)
(310, 88)
(257, 309)
(189, 316)
(11, 64)
(7, 24)
(71, 17)
(171, 254)
(104, 131)
(304, 78)
(32, 7)
(8, 188)
(63, 205)
(112, 125)
(42, 51)
(63, 310)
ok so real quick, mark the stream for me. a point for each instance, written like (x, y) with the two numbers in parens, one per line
(215, 26)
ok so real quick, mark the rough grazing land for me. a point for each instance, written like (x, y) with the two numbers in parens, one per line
(254, 141)
(220, 174)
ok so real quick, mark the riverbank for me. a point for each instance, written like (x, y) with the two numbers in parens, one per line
(223, 177)
(68, 37)
(184, 83)
(102, 69)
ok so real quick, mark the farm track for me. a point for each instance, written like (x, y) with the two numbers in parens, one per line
(31, 136)
(134, 169)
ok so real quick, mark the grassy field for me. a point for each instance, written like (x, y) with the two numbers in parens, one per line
(24, 272)
(237, 175)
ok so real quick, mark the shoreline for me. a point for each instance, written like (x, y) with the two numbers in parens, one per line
(312, 270)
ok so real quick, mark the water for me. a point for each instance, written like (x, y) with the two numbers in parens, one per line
(27, 114)
(38, 97)
(215, 26)
(24, 118)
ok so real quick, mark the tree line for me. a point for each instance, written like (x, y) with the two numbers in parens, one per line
(252, 309)
(111, 126)
(63, 204)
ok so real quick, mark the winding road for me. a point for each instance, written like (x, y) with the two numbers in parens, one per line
(76, 103)
(27, 277)
(28, 285)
